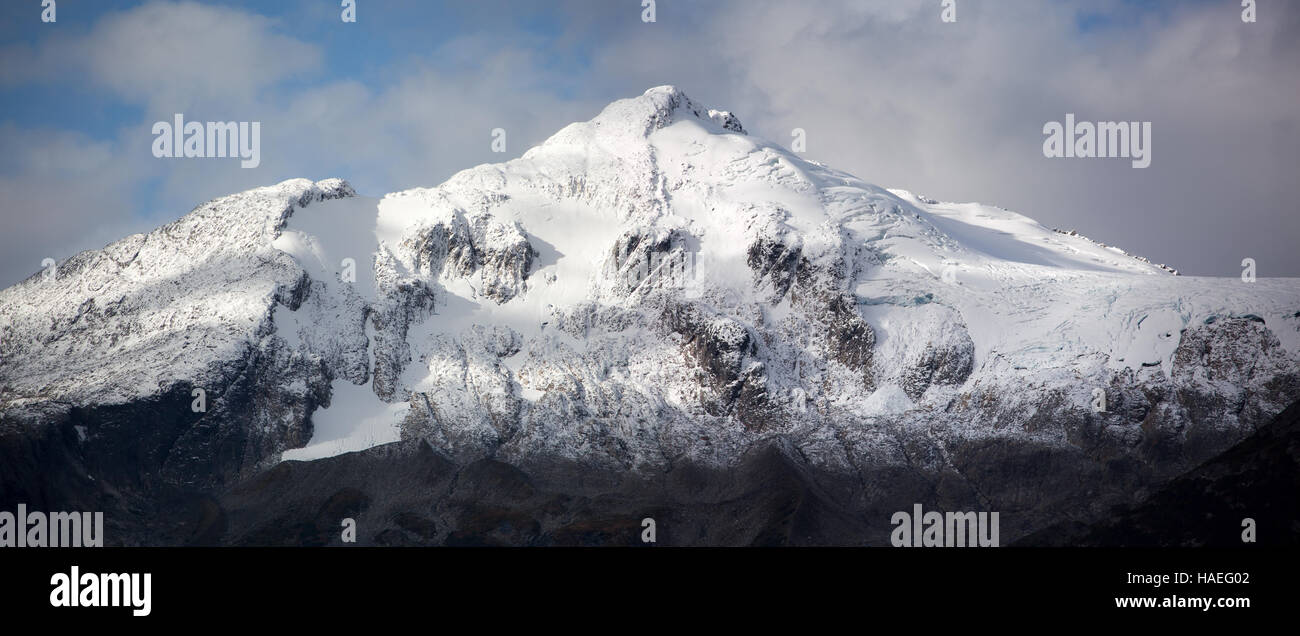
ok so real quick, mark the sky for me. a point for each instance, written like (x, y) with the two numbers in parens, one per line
(410, 93)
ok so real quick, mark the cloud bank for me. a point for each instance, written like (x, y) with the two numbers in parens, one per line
(884, 90)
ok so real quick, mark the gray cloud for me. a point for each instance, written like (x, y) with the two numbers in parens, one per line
(72, 193)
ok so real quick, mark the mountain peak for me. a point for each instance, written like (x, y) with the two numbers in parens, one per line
(646, 286)
(670, 101)
(656, 109)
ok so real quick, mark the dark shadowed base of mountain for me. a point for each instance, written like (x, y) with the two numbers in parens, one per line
(1257, 479)
(409, 494)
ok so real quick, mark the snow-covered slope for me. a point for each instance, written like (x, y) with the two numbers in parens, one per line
(649, 286)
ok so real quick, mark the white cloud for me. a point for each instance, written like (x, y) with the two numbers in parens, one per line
(171, 57)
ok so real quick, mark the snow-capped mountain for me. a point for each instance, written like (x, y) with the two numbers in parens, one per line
(649, 289)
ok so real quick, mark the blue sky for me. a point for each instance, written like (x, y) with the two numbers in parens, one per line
(365, 51)
(408, 95)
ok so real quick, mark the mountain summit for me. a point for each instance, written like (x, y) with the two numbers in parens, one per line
(651, 289)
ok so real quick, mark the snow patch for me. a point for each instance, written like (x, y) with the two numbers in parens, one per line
(889, 399)
(356, 420)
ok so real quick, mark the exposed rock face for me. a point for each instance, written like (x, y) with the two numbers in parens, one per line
(849, 339)
(651, 297)
(775, 265)
(935, 350)
(456, 247)
(723, 354)
(1235, 365)
(472, 404)
(444, 249)
(644, 261)
(506, 261)
(405, 301)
